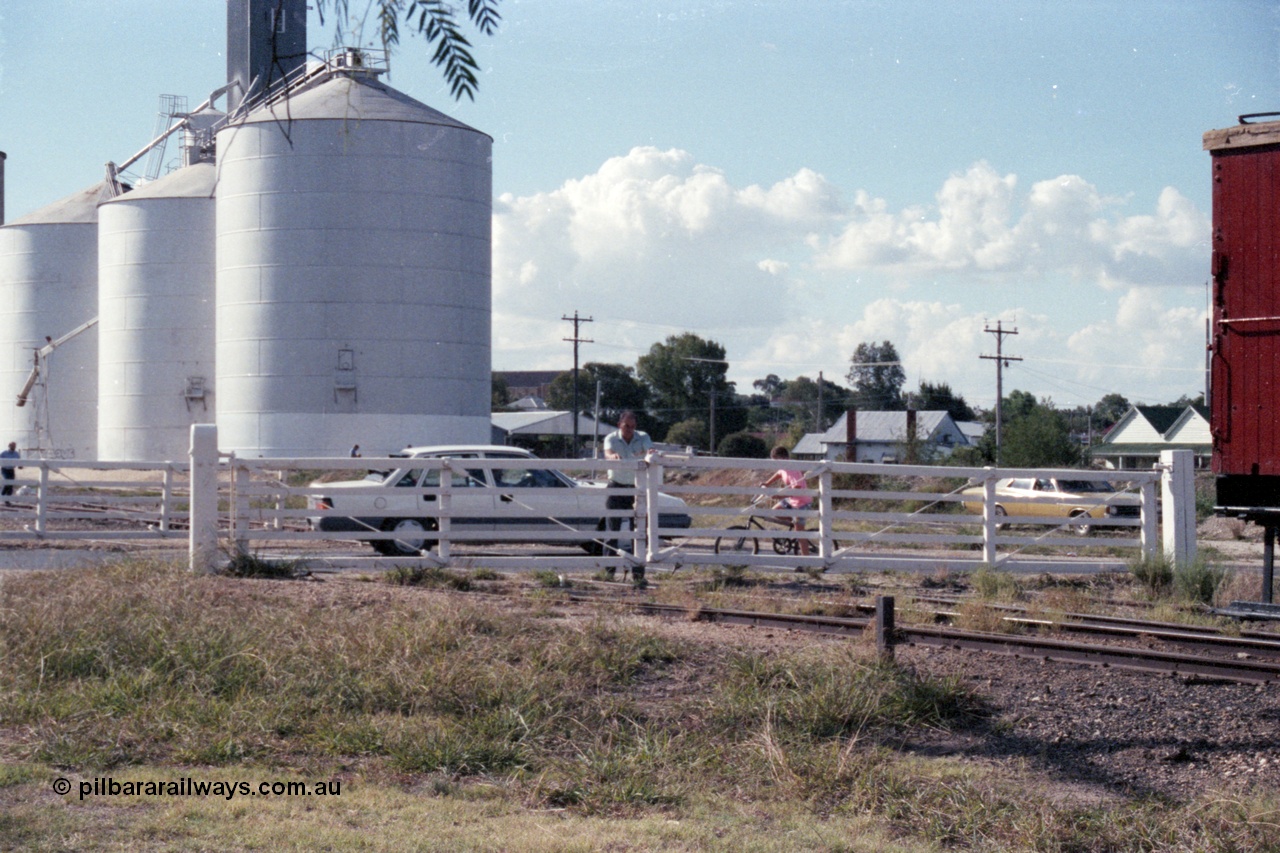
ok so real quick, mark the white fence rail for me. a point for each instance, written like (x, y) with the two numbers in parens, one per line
(862, 516)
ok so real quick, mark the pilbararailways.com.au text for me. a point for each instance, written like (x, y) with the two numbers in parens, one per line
(188, 787)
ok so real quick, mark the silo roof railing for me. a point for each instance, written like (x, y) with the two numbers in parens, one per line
(344, 60)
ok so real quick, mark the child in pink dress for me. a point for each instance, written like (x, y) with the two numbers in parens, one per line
(790, 479)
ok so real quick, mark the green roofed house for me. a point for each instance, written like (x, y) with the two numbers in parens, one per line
(1136, 440)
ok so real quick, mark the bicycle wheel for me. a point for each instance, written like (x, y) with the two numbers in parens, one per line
(786, 547)
(738, 542)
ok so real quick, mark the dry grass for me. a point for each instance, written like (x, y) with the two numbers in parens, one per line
(458, 721)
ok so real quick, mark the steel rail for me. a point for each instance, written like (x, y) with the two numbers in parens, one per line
(1036, 648)
(1120, 626)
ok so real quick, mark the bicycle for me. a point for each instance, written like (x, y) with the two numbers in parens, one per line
(783, 545)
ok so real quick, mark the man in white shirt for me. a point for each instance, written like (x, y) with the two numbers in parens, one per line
(624, 443)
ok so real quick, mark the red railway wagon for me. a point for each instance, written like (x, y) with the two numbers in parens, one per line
(1245, 265)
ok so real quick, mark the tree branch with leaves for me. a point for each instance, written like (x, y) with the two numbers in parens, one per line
(438, 21)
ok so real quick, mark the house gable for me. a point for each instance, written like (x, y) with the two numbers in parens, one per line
(1138, 438)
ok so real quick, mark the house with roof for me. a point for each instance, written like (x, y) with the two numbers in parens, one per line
(882, 436)
(1136, 440)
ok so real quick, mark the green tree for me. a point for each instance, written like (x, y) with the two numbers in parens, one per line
(1039, 438)
(435, 20)
(770, 386)
(1110, 409)
(1018, 404)
(619, 390)
(500, 393)
(940, 397)
(876, 377)
(801, 397)
(681, 376)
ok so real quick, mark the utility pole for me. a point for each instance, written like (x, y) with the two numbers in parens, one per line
(577, 321)
(819, 419)
(1002, 361)
(711, 388)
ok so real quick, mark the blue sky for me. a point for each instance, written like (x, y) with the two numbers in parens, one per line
(786, 178)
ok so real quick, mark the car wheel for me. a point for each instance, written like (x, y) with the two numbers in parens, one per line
(411, 540)
(999, 513)
(1081, 529)
(737, 542)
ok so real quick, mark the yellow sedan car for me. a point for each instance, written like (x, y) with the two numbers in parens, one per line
(1055, 498)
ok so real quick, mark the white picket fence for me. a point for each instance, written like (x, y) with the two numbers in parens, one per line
(863, 516)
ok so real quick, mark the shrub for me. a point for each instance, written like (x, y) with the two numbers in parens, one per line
(1198, 581)
(743, 445)
(1155, 573)
(691, 432)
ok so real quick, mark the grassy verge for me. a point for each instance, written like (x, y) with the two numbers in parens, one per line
(460, 722)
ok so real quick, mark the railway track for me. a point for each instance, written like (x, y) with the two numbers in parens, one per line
(1243, 642)
(1227, 663)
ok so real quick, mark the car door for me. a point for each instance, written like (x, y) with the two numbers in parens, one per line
(1018, 497)
(537, 499)
(471, 500)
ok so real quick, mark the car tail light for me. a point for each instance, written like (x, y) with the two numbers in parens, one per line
(321, 502)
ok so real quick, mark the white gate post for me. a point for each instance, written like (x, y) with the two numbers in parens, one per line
(989, 555)
(1178, 491)
(203, 540)
(826, 506)
(649, 481)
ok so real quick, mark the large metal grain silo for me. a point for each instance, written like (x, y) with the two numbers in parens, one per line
(353, 274)
(156, 310)
(48, 292)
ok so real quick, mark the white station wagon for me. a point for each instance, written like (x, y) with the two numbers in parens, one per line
(507, 502)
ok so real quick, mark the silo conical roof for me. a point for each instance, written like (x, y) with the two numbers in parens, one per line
(353, 98)
(195, 181)
(79, 207)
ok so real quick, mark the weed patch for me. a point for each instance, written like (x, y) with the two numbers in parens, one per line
(1154, 573)
(992, 583)
(245, 565)
(1198, 581)
(427, 576)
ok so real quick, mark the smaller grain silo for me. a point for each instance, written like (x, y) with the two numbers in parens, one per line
(156, 311)
(48, 289)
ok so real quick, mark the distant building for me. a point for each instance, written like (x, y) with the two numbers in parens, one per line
(973, 431)
(881, 436)
(1136, 440)
(527, 383)
(545, 431)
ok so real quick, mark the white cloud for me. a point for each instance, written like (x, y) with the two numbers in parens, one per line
(1063, 225)
(1146, 345)
(790, 279)
(651, 233)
